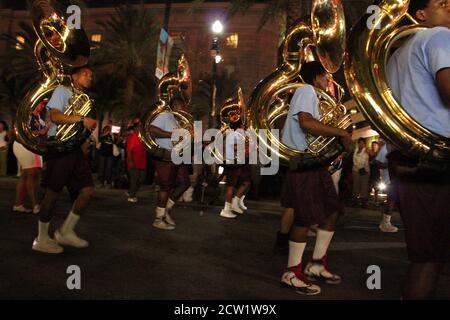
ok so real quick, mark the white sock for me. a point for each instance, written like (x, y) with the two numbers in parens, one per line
(43, 230)
(236, 201)
(295, 253)
(70, 222)
(170, 204)
(160, 212)
(386, 218)
(323, 239)
(227, 206)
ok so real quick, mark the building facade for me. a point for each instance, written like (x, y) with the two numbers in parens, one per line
(246, 51)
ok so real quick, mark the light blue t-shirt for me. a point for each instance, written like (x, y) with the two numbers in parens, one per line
(412, 77)
(59, 100)
(304, 100)
(165, 121)
(234, 138)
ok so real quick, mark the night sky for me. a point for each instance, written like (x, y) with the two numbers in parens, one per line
(21, 4)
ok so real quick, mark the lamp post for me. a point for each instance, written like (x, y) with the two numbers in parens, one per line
(217, 29)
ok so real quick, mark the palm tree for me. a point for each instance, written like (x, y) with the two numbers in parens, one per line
(11, 94)
(19, 60)
(105, 95)
(226, 85)
(129, 48)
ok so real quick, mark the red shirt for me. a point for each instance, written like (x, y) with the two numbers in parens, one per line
(138, 151)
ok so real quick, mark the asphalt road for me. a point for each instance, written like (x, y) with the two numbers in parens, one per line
(205, 257)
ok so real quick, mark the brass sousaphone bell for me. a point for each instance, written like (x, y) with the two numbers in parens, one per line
(365, 71)
(173, 83)
(232, 111)
(270, 99)
(58, 46)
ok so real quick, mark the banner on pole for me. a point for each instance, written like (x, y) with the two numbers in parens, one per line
(165, 45)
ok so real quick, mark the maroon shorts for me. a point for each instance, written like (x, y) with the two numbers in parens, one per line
(312, 195)
(170, 175)
(70, 170)
(237, 175)
(423, 201)
(285, 199)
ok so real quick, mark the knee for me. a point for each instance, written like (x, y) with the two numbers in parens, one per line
(165, 187)
(86, 192)
(186, 183)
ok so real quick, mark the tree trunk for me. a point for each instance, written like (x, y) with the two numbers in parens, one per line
(129, 92)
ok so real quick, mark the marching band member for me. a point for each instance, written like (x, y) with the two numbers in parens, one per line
(311, 192)
(419, 76)
(173, 179)
(69, 170)
(238, 176)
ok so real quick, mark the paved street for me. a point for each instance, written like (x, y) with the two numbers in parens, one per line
(206, 257)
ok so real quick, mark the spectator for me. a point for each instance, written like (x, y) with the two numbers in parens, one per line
(374, 179)
(136, 163)
(30, 164)
(105, 158)
(3, 147)
(361, 172)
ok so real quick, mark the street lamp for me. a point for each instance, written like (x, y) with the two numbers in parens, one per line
(217, 28)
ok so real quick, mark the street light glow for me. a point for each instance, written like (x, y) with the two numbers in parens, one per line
(217, 27)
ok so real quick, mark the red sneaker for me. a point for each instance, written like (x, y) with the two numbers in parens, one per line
(295, 279)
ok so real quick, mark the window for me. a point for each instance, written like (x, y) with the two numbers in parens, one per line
(232, 40)
(19, 42)
(96, 37)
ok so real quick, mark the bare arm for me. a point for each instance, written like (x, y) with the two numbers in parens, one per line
(315, 127)
(443, 84)
(60, 118)
(159, 133)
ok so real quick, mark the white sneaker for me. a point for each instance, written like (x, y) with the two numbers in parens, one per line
(227, 214)
(36, 209)
(167, 218)
(241, 203)
(47, 246)
(133, 199)
(235, 206)
(161, 224)
(387, 227)
(21, 209)
(302, 286)
(70, 238)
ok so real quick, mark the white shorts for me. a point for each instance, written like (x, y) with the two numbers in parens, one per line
(26, 158)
